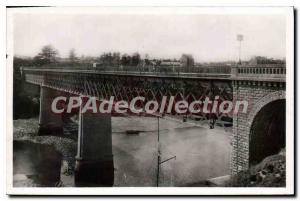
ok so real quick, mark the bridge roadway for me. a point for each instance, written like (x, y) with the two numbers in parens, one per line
(179, 75)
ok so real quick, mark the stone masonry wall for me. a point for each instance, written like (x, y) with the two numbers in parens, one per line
(258, 94)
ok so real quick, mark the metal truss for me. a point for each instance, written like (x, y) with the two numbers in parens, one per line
(126, 87)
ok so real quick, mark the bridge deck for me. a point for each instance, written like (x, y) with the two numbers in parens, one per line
(178, 75)
(132, 73)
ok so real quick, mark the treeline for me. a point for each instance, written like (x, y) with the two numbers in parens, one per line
(265, 60)
(50, 56)
(115, 59)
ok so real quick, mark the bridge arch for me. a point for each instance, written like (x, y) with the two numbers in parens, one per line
(266, 127)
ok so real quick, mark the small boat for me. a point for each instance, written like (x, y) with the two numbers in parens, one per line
(132, 132)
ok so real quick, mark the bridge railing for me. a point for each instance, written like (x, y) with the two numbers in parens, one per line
(222, 69)
(203, 73)
(274, 71)
(264, 72)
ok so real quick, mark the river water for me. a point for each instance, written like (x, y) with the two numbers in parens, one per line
(196, 154)
(35, 164)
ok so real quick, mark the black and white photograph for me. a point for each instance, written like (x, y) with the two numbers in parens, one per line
(184, 100)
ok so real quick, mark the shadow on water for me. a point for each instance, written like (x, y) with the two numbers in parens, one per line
(36, 163)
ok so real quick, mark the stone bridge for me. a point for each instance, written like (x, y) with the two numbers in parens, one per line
(256, 134)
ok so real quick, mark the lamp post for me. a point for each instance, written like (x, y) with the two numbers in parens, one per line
(240, 38)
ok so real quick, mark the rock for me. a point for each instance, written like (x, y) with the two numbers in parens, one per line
(277, 175)
(268, 173)
(27, 129)
(270, 168)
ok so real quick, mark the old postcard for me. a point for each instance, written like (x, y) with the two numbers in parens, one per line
(185, 100)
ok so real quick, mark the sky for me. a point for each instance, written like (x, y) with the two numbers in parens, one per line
(207, 37)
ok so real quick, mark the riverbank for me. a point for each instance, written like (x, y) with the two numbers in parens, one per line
(26, 130)
(271, 172)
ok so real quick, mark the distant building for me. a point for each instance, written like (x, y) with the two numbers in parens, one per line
(171, 63)
(187, 62)
(264, 60)
(168, 65)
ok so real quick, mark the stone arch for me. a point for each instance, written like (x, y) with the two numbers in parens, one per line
(277, 95)
(265, 124)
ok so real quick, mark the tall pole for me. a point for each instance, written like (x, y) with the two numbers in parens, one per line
(158, 154)
(159, 162)
(240, 62)
(240, 38)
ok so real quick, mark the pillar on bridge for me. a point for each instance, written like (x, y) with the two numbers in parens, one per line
(94, 160)
(50, 123)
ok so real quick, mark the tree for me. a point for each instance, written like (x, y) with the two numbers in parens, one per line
(125, 60)
(72, 56)
(116, 59)
(47, 55)
(135, 59)
(147, 60)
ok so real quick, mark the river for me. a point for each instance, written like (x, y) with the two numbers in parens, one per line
(196, 153)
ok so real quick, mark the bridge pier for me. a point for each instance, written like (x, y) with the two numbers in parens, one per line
(50, 123)
(94, 160)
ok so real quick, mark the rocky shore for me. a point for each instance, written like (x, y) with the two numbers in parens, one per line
(27, 129)
(271, 172)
